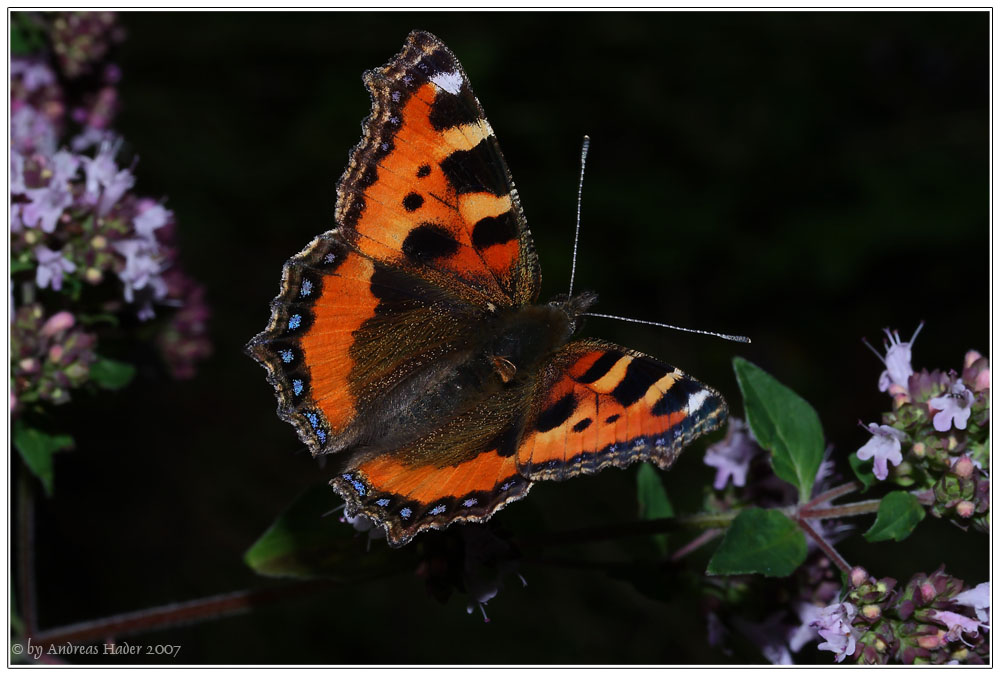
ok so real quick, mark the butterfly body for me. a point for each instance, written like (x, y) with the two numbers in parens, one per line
(407, 344)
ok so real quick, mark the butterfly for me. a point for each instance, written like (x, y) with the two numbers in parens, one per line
(406, 342)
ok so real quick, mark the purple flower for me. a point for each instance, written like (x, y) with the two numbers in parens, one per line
(64, 166)
(51, 267)
(957, 624)
(834, 624)
(33, 75)
(90, 137)
(883, 446)
(105, 183)
(731, 457)
(149, 220)
(17, 187)
(142, 269)
(46, 206)
(805, 632)
(956, 406)
(978, 598)
(48, 203)
(31, 131)
(897, 360)
(17, 173)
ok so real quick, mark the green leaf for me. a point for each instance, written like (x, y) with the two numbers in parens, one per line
(309, 541)
(862, 469)
(759, 541)
(784, 424)
(653, 501)
(111, 374)
(898, 514)
(25, 36)
(37, 448)
(17, 266)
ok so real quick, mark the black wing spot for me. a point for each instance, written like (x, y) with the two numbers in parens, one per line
(612, 418)
(428, 242)
(424, 171)
(413, 201)
(476, 170)
(676, 398)
(582, 425)
(556, 414)
(453, 110)
(494, 230)
(639, 376)
(600, 367)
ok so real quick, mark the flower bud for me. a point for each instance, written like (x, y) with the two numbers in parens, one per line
(971, 357)
(965, 509)
(31, 237)
(919, 449)
(28, 365)
(56, 353)
(93, 275)
(858, 576)
(927, 592)
(982, 380)
(871, 611)
(932, 641)
(57, 323)
(99, 242)
(963, 467)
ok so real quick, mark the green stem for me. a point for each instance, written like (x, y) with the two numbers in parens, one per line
(851, 509)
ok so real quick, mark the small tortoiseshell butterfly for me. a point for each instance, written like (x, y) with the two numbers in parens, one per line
(407, 342)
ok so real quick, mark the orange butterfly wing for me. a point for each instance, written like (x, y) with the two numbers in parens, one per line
(592, 405)
(428, 188)
(428, 218)
(602, 405)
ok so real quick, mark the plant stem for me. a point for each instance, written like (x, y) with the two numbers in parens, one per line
(212, 607)
(851, 509)
(702, 539)
(825, 546)
(833, 494)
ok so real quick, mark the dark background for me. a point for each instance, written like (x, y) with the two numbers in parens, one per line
(802, 178)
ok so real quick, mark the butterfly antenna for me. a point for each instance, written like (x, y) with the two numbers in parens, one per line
(579, 202)
(725, 336)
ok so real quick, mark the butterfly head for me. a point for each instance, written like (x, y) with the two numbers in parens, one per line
(574, 306)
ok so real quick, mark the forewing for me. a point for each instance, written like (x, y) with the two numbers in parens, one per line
(427, 188)
(344, 331)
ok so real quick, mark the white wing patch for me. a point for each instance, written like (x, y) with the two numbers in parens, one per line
(697, 399)
(450, 82)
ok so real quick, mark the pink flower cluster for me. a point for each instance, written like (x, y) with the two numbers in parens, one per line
(82, 242)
